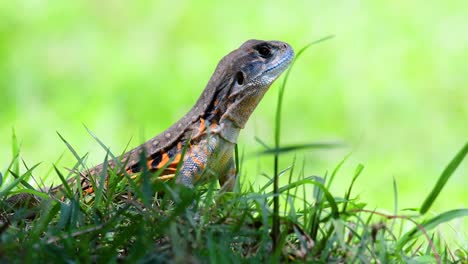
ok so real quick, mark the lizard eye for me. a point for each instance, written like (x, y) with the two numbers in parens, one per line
(239, 78)
(264, 51)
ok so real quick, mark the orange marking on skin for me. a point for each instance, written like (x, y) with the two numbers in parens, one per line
(89, 190)
(197, 161)
(178, 155)
(202, 124)
(149, 162)
(205, 150)
(176, 159)
(164, 160)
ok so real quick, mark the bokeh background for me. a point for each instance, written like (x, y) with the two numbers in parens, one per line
(391, 84)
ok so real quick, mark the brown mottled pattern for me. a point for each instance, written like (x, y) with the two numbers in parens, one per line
(212, 125)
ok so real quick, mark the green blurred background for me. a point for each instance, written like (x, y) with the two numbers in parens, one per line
(392, 83)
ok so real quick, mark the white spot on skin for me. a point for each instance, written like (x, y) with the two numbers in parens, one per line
(168, 135)
(180, 125)
(155, 142)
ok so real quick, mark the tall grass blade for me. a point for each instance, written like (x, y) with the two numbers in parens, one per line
(430, 224)
(444, 177)
(276, 223)
(286, 149)
(289, 182)
(237, 167)
(66, 189)
(15, 149)
(30, 191)
(49, 171)
(358, 171)
(100, 187)
(72, 150)
(328, 196)
(80, 160)
(336, 170)
(265, 145)
(17, 181)
(395, 203)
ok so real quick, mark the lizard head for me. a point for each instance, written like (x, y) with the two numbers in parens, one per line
(248, 72)
(258, 63)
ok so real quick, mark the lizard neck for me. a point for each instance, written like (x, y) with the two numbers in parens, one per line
(229, 131)
(240, 110)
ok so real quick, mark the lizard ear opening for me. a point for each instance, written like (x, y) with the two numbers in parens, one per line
(239, 78)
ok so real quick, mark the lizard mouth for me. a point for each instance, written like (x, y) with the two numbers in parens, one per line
(282, 64)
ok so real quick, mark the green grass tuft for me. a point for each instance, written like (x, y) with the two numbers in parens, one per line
(204, 225)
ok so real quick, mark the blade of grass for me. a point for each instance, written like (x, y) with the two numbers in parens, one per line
(15, 149)
(261, 142)
(430, 224)
(329, 197)
(17, 181)
(67, 190)
(276, 222)
(395, 203)
(100, 187)
(335, 171)
(272, 180)
(113, 157)
(316, 210)
(52, 208)
(237, 167)
(30, 191)
(444, 177)
(72, 150)
(24, 181)
(13, 166)
(358, 171)
(289, 182)
(286, 149)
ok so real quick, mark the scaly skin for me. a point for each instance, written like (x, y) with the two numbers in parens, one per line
(212, 126)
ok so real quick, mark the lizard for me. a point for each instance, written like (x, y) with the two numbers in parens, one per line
(212, 125)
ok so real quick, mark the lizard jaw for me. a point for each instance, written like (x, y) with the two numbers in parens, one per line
(270, 74)
(282, 64)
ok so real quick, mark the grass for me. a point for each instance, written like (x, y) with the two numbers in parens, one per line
(204, 225)
(131, 221)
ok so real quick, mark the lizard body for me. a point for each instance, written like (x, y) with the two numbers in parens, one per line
(212, 126)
